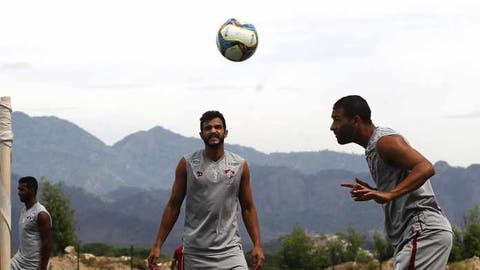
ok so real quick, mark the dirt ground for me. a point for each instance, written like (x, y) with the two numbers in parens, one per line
(69, 262)
(468, 264)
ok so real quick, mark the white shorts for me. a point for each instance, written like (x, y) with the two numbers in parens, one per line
(423, 249)
(225, 261)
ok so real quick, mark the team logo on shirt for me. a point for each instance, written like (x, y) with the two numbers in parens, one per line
(195, 162)
(229, 173)
(29, 218)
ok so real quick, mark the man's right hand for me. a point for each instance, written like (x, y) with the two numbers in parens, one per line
(152, 258)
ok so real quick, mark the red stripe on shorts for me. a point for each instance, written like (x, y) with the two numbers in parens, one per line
(411, 266)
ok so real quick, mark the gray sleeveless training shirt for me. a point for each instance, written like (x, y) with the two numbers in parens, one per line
(212, 203)
(418, 208)
(28, 255)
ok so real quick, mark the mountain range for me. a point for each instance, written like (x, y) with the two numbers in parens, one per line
(119, 191)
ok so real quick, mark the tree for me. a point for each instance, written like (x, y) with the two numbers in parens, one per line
(298, 250)
(335, 251)
(471, 237)
(354, 241)
(63, 224)
(457, 246)
(383, 247)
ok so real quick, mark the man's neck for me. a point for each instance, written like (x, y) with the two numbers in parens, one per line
(30, 203)
(365, 133)
(214, 153)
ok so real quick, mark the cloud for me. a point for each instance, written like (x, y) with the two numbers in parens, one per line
(470, 115)
(14, 66)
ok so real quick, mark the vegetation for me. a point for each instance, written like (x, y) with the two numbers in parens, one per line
(63, 223)
(466, 242)
(383, 247)
(299, 250)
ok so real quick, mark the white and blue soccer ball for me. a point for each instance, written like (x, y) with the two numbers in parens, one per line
(237, 41)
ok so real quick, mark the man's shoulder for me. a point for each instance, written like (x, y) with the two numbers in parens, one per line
(194, 154)
(379, 133)
(39, 208)
(234, 157)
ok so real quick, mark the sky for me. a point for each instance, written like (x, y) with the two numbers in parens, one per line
(118, 67)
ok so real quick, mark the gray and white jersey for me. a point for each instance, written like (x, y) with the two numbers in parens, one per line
(28, 256)
(212, 203)
(418, 208)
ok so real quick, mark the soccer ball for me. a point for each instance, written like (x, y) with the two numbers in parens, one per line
(237, 41)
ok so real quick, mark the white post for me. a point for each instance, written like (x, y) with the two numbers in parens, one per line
(6, 139)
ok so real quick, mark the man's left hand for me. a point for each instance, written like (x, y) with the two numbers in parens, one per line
(360, 191)
(258, 258)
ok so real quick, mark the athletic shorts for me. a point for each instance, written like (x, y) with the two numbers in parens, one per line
(226, 261)
(423, 249)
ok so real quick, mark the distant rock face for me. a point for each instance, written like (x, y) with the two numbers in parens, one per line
(62, 151)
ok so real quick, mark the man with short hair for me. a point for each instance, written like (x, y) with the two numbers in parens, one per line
(214, 182)
(420, 232)
(35, 229)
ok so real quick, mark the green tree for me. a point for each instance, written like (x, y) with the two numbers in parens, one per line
(383, 247)
(63, 224)
(335, 251)
(298, 250)
(471, 240)
(457, 246)
(320, 258)
(354, 241)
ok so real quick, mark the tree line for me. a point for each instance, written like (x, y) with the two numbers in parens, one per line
(297, 250)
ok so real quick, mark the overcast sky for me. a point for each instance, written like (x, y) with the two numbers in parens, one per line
(117, 67)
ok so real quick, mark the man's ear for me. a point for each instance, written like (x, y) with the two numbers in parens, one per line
(357, 119)
(226, 132)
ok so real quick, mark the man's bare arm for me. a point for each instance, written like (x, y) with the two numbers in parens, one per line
(45, 229)
(171, 212)
(250, 218)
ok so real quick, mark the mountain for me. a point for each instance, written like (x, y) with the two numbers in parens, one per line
(283, 197)
(62, 151)
(119, 192)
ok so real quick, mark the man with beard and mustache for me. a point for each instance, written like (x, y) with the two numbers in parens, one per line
(420, 233)
(35, 229)
(214, 182)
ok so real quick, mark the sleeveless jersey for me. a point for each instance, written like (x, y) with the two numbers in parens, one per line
(28, 255)
(418, 208)
(212, 203)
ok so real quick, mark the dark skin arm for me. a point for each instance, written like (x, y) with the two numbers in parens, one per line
(397, 152)
(45, 229)
(171, 212)
(250, 218)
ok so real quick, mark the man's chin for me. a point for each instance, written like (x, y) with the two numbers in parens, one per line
(342, 142)
(214, 145)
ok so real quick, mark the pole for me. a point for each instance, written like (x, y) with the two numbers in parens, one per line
(131, 257)
(78, 255)
(6, 139)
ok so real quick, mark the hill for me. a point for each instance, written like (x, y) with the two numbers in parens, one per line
(118, 192)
